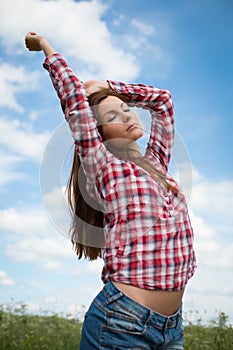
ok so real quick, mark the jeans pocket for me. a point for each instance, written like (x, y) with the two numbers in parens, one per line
(122, 331)
(124, 322)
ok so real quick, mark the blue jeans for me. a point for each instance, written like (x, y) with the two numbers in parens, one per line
(117, 322)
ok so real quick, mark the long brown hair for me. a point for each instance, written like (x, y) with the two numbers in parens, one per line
(87, 233)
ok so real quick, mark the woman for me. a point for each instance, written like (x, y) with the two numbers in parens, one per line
(113, 190)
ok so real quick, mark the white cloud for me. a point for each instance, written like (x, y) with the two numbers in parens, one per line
(143, 28)
(211, 204)
(29, 236)
(84, 35)
(15, 80)
(45, 252)
(5, 280)
(214, 198)
(23, 222)
(19, 144)
(88, 268)
(212, 249)
(55, 205)
(19, 139)
(8, 173)
(118, 21)
(211, 288)
(208, 198)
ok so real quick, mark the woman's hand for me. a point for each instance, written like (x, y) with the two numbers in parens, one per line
(95, 85)
(32, 41)
(35, 42)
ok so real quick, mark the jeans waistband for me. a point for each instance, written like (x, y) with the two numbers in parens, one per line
(145, 314)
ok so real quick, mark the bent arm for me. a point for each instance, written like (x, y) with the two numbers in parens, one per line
(81, 120)
(159, 103)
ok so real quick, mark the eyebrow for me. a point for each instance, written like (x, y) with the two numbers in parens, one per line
(112, 110)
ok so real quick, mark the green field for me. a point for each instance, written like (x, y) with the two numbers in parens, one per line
(20, 330)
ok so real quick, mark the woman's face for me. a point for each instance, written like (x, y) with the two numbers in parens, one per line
(119, 124)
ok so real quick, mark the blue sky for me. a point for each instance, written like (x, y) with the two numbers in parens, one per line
(184, 46)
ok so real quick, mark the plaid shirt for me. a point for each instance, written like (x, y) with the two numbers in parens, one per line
(149, 238)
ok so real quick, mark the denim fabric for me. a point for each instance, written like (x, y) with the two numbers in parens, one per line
(117, 322)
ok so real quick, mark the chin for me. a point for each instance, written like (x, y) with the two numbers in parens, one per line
(137, 136)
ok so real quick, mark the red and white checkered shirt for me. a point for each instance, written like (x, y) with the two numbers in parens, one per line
(148, 231)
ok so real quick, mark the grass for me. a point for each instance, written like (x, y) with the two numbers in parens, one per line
(216, 335)
(20, 330)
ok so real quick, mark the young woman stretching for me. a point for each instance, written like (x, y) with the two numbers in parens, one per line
(114, 191)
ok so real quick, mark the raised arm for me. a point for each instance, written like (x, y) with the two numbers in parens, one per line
(69, 88)
(159, 103)
(72, 94)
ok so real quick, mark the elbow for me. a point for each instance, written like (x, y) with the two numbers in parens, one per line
(167, 95)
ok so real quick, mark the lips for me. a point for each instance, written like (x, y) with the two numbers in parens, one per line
(131, 127)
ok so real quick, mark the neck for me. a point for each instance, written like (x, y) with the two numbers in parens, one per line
(129, 152)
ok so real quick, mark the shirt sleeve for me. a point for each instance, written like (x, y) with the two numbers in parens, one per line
(78, 114)
(159, 103)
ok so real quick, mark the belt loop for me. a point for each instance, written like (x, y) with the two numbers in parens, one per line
(113, 298)
(178, 317)
(147, 321)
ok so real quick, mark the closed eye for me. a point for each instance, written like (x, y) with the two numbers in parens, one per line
(111, 118)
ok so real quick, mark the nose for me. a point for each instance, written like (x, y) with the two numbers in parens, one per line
(126, 117)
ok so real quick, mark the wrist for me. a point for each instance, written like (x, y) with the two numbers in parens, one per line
(42, 41)
(45, 46)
